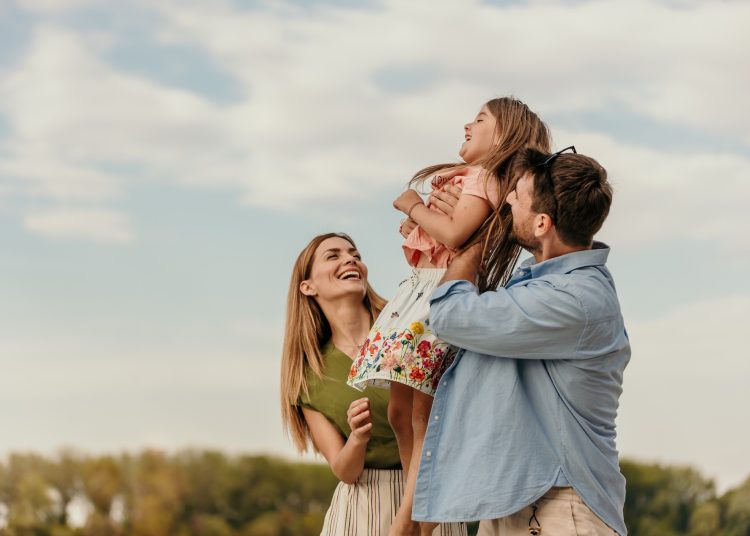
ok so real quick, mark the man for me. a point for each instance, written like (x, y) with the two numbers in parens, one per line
(522, 429)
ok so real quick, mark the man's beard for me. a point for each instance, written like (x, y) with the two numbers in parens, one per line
(529, 243)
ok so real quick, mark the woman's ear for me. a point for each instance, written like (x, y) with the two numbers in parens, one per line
(306, 288)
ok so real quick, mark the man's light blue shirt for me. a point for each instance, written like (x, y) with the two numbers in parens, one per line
(531, 399)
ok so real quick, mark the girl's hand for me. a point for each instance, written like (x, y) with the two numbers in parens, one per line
(358, 417)
(407, 200)
(406, 227)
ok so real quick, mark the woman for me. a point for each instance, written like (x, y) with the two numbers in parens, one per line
(329, 312)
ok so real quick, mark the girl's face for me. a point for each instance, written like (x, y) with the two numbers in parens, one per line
(337, 271)
(479, 137)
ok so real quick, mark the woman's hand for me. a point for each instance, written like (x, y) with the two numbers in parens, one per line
(445, 198)
(358, 417)
(406, 201)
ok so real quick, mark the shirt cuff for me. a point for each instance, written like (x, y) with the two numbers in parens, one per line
(451, 286)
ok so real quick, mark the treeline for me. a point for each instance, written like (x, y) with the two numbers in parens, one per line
(206, 493)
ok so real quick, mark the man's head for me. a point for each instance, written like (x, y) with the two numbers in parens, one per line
(559, 200)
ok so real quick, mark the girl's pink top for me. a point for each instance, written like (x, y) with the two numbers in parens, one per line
(418, 243)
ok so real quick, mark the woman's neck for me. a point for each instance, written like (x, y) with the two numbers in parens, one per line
(350, 323)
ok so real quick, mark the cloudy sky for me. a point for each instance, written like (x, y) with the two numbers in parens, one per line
(161, 164)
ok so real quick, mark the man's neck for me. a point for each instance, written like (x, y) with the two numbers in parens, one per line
(555, 248)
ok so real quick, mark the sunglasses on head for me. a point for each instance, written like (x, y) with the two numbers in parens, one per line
(547, 161)
(547, 175)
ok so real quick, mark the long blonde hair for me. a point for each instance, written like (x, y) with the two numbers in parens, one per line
(306, 331)
(516, 128)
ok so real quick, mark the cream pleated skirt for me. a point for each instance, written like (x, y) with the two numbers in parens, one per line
(367, 507)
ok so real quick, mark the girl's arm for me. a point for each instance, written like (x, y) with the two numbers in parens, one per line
(346, 457)
(468, 214)
(444, 199)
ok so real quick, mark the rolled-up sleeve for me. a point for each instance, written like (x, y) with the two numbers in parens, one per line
(532, 321)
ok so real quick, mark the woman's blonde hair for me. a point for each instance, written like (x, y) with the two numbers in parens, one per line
(306, 331)
(516, 128)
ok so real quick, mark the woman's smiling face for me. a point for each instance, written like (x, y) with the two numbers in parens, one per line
(337, 271)
(479, 136)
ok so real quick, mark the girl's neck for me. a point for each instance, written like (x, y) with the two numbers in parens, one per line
(350, 323)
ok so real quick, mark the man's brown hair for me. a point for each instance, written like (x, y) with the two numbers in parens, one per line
(572, 189)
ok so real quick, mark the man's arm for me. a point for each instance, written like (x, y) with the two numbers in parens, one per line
(533, 321)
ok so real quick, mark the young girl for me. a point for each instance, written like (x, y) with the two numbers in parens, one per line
(400, 350)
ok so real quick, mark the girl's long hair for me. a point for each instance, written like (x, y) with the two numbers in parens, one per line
(306, 331)
(516, 128)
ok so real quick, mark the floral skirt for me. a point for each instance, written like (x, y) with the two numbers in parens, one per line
(400, 346)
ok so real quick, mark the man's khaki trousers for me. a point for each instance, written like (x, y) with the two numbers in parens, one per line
(561, 512)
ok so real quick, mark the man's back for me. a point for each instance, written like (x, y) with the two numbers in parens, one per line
(531, 402)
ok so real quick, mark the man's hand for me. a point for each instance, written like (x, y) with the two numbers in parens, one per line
(445, 198)
(358, 417)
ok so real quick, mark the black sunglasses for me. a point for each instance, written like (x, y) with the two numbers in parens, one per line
(548, 177)
(550, 158)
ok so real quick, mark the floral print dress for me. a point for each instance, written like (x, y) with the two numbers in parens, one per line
(400, 346)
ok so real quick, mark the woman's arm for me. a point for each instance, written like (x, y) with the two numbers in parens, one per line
(452, 230)
(346, 458)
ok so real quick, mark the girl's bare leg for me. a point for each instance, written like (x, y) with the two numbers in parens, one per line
(399, 417)
(403, 524)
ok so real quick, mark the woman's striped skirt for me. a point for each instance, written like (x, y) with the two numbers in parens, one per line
(367, 507)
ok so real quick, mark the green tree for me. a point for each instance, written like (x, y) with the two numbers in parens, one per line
(706, 519)
(660, 500)
(64, 475)
(736, 504)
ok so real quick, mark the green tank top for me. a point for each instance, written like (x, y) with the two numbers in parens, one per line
(331, 396)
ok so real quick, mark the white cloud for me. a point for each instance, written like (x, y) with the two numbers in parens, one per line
(94, 224)
(665, 195)
(685, 389)
(323, 116)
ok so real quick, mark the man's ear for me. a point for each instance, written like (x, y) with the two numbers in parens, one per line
(306, 288)
(542, 225)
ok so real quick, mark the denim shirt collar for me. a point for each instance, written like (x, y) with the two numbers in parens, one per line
(596, 256)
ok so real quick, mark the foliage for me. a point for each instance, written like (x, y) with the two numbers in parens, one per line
(208, 493)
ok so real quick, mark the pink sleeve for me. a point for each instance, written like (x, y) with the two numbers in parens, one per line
(474, 184)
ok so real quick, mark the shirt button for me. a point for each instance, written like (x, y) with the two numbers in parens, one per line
(437, 417)
(428, 453)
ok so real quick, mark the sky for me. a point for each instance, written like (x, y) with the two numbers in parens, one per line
(162, 164)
